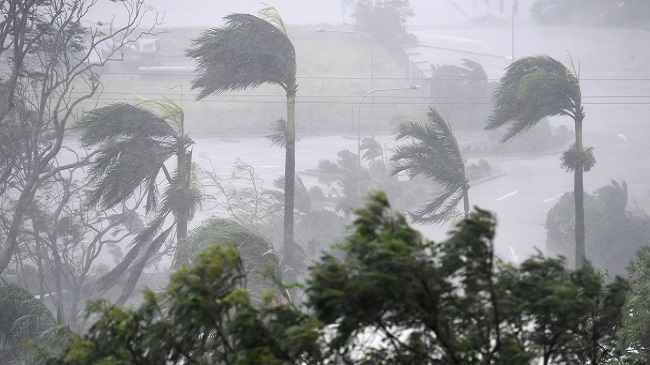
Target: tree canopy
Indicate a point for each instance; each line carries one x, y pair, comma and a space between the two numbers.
393, 298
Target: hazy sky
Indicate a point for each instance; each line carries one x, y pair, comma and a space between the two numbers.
210, 12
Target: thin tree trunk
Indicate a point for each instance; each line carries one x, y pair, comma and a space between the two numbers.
578, 193
466, 199
184, 167
289, 178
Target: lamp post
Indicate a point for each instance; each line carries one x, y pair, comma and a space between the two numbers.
413, 87
515, 10
372, 60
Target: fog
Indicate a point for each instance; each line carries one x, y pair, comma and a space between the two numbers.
612, 65
613, 69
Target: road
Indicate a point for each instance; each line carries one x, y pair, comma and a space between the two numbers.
614, 68
615, 82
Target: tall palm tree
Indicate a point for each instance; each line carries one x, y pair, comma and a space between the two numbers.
531, 89
247, 52
134, 143
434, 153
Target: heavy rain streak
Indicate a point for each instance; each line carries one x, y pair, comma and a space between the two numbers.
324, 182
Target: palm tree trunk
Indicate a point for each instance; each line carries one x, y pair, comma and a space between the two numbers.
578, 193
466, 199
184, 167
289, 177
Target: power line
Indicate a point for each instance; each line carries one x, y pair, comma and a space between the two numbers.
153, 75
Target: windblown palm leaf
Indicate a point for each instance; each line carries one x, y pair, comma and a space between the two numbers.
371, 149
23, 317
247, 53
257, 254
531, 89
434, 153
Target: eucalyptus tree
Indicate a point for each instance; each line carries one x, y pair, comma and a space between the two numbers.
134, 143
531, 89
433, 152
53, 69
247, 52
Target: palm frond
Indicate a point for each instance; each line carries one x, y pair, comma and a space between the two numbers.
182, 199
371, 149
302, 201
257, 253
439, 209
433, 151
533, 88
22, 316
122, 120
144, 240
135, 270
472, 70
271, 15
167, 110
119, 169
246, 53
279, 135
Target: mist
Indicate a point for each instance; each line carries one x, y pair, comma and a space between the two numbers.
359, 81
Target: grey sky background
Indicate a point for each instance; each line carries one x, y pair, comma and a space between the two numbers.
207, 13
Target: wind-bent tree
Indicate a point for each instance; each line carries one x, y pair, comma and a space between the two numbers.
247, 52
134, 143
433, 152
531, 89
54, 69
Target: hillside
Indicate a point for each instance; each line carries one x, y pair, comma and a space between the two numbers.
333, 74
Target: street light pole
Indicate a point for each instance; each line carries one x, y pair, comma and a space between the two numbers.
371, 92
515, 10
372, 63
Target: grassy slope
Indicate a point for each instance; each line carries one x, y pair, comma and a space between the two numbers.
333, 74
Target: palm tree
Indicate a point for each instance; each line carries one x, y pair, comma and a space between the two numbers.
247, 52
23, 318
433, 152
531, 89
134, 143
256, 253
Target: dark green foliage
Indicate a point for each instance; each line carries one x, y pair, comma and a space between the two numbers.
636, 334
203, 317
433, 152
394, 298
614, 232
454, 302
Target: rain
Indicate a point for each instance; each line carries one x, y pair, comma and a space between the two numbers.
149, 130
